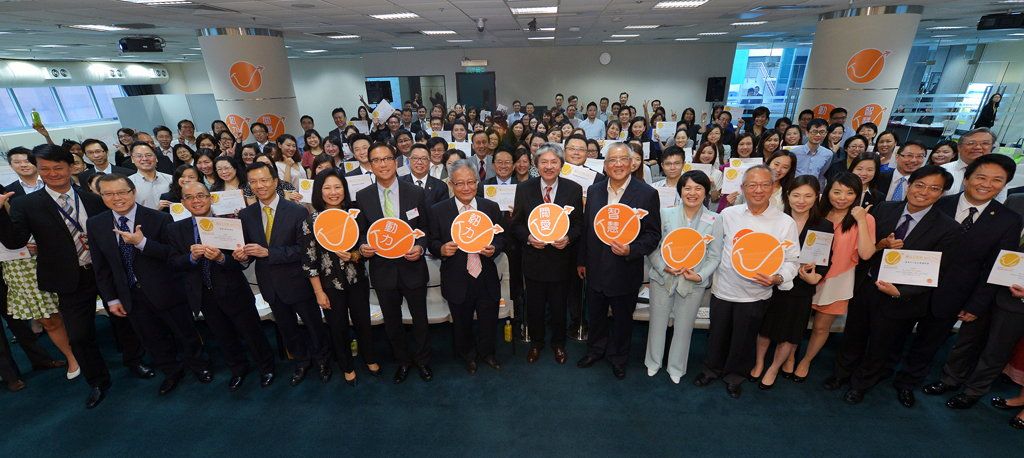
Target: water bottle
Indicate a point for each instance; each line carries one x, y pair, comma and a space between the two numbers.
355, 348
508, 330
36, 119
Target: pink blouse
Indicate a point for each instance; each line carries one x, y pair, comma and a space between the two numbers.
844, 248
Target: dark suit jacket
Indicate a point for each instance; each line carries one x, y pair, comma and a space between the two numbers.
965, 283
16, 188
158, 281
436, 190
935, 232
872, 197
607, 272
86, 175
357, 171
229, 283
455, 280
883, 180
549, 263
390, 274
37, 215
280, 274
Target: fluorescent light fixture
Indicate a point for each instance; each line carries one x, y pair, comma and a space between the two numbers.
438, 32
625, 35
712, 34
460, 40
943, 36
641, 27
805, 43
52, 46
680, 4
196, 49
688, 39
190, 54
342, 37
749, 23
158, 2
1017, 34
947, 27
614, 41
535, 10
314, 51
97, 27
393, 16
540, 38
18, 49
540, 29
402, 48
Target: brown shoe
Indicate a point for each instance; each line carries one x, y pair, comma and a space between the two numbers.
533, 355
16, 385
560, 355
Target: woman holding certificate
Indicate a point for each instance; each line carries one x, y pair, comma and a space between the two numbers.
788, 310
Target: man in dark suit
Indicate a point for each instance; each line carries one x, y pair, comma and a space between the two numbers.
894, 184
547, 267
19, 159
886, 313
615, 272
360, 146
97, 152
273, 234
408, 124
129, 255
576, 154
405, 277
434, 190
216, 286
389, 134
8, 370
469, 281
55, 217
340, 122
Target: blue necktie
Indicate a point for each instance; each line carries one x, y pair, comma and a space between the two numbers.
897, 194
904, 227
127, 252
204, 263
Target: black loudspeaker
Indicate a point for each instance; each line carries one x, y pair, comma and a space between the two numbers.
716, 89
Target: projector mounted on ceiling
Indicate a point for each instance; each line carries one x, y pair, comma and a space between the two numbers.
141, 44
1001, 21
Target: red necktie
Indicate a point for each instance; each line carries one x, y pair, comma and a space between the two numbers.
483, 173
547, 194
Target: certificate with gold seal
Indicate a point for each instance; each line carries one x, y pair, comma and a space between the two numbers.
503, 195
910, 267
1008, 269
223, 233
227, 202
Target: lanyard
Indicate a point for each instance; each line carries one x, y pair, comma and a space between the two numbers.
69, 218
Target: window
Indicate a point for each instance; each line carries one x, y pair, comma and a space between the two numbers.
57, 105
9, 118
104, 99
40, 99
77, 103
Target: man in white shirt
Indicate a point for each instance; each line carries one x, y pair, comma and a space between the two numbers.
909, 158
973, 145
149, 183
261, 134
28, 177
187, 133
593, 127
516, 114
738, 303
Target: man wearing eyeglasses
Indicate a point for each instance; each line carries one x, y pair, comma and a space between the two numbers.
894, 183
419, 174
972, 145
812, 158
149, 183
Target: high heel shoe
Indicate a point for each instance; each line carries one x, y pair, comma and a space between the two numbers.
74, 374
753, 378
787, 375
353, 381
375, 373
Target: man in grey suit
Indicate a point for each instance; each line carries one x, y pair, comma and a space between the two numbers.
482, 157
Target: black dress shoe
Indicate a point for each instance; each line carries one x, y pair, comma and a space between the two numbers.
95, 397
471, 367
961, 401
141, 371
266, 379
586, 361
325, 372
939, 388
833, 383
299, 375
906, 397
401, 374
493, 362
236, 382
702, 380
204, 376
853, 396
619, 371
1001, 404
170, 383
1017, 423
425, 373
734, 391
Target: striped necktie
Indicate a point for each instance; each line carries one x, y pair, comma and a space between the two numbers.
81, 249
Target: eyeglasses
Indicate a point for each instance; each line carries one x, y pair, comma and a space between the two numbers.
381, 160
117, 193
753, 186
418, 159
462, 184
618, 160
921, 187
191, 197
672, 163
912, 156
975, 143
143, 156
817, 132
504, 162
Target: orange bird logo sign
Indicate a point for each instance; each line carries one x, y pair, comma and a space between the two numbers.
871, 112
473, 230
684, 248
821, 111
757, 253
618, 223
336, 230
549, 222
238, 126
274, 123
392, 237
246, 77
865, 65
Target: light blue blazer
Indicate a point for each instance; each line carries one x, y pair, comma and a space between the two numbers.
705, 222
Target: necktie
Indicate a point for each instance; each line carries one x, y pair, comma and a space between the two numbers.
968, 221
419, 183
897, 194
483, 172
389, 210
473, 265
81, 249
547, 194
127, 252
903, 228
269, 228
204, 263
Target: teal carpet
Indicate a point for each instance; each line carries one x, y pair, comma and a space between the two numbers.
525, 410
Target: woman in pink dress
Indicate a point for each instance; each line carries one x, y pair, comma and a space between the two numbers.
854, 241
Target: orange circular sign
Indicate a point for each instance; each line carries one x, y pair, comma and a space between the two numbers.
274, 123
865, 65
246, 77
549, 222
618, 223
238, 126
822, 110
684, 248
392, 237
473, 230
758, 253
336, 230
871, 112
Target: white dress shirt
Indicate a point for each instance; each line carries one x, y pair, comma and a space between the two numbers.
963, 209
147, 193
554, 189
614, 195
263, 213
79, 214
30, 189
729, 285
436, 170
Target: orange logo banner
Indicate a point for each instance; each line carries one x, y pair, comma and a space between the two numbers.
871, 112
822, 110
246, 77
618, 223
758, 253
549, 222
684, 248
238, 126
865, 65
275, 124
473, 230
336, 230
392, 237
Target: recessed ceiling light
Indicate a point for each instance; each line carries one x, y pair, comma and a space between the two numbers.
943, 36
680, 4
190, 54
541, 29
97, 27
805, 43
342, 37
625, 35
393, 16
402, 48
535, 10
1017, 34
540, 38
1012, 1
158, 2
947, 27
749, 23
314, 51
688, 39
52, 46
196, 49
438, 32
460, 40
18, 49
712, 34
641, 27
614, 41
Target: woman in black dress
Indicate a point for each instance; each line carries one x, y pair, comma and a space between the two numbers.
987, 116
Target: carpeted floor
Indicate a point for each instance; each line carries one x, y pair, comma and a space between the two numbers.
525, 410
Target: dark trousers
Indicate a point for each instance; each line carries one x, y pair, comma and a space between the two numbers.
391, 307
966, 353
166, 331
540, 295
884, 332
931, 333
610, 340
78, 309
352, 302
732, 339
1006, 329
856, 330
127, 341
304, 347
8, 370
231, 329
486, 310
22, 330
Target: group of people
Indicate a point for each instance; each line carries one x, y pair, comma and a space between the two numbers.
100, 228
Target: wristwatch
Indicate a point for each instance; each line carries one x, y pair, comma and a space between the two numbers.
779, 282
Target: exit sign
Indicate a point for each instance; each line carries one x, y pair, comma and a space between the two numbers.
475, 69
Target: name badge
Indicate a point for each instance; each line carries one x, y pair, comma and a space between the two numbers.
412, 214
708, 219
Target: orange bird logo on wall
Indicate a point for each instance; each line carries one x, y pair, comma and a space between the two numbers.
865, 65
246, 77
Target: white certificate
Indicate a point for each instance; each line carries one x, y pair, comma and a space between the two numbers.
647, 150
745, 162
179, 212
1008, 269
223, 233
910, 267
595, 164
581, 175
668, 195
350, 165
445, 134
732, 178
484, 114
227, 202
706, 168
817, 248
10, 255
666, 130
357, 182
465, 147
383, 111
403, 170
363, 126
503, 195
306, 190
